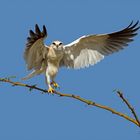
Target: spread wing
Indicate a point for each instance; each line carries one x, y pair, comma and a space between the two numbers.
90, 49
35, 52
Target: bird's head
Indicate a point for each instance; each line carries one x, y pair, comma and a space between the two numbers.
57, 45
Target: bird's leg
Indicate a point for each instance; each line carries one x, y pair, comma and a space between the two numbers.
55, 85
47, 79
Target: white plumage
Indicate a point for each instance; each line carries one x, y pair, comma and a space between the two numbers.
83, 52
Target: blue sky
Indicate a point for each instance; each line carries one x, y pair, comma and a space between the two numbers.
35, 116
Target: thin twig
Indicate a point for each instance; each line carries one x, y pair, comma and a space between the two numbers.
88, 102
129, 106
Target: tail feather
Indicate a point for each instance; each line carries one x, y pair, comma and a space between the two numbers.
32, 74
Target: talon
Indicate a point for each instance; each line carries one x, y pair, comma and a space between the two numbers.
55, 84
51, 90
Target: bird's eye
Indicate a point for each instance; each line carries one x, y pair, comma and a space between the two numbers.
53, 43
60, 43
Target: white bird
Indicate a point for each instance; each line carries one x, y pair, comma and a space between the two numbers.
83, 52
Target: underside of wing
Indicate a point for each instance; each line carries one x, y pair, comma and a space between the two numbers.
36, 50
90, 49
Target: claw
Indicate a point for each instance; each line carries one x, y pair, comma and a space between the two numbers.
55, 84
51, 90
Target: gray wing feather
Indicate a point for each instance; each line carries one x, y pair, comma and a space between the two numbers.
90, 49
35, 51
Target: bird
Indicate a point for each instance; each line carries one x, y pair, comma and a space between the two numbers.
81, 53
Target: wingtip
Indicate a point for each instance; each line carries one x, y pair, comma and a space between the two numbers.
37, 30
137, 22
35, 35
31, 33
44, 30
131, 23
36, 25
132, 26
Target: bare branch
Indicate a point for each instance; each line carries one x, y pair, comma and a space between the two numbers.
129, 106
88, 102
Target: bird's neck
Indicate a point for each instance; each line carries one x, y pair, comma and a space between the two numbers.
54, 57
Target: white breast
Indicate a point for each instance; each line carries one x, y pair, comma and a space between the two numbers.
53, 62
52, 69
